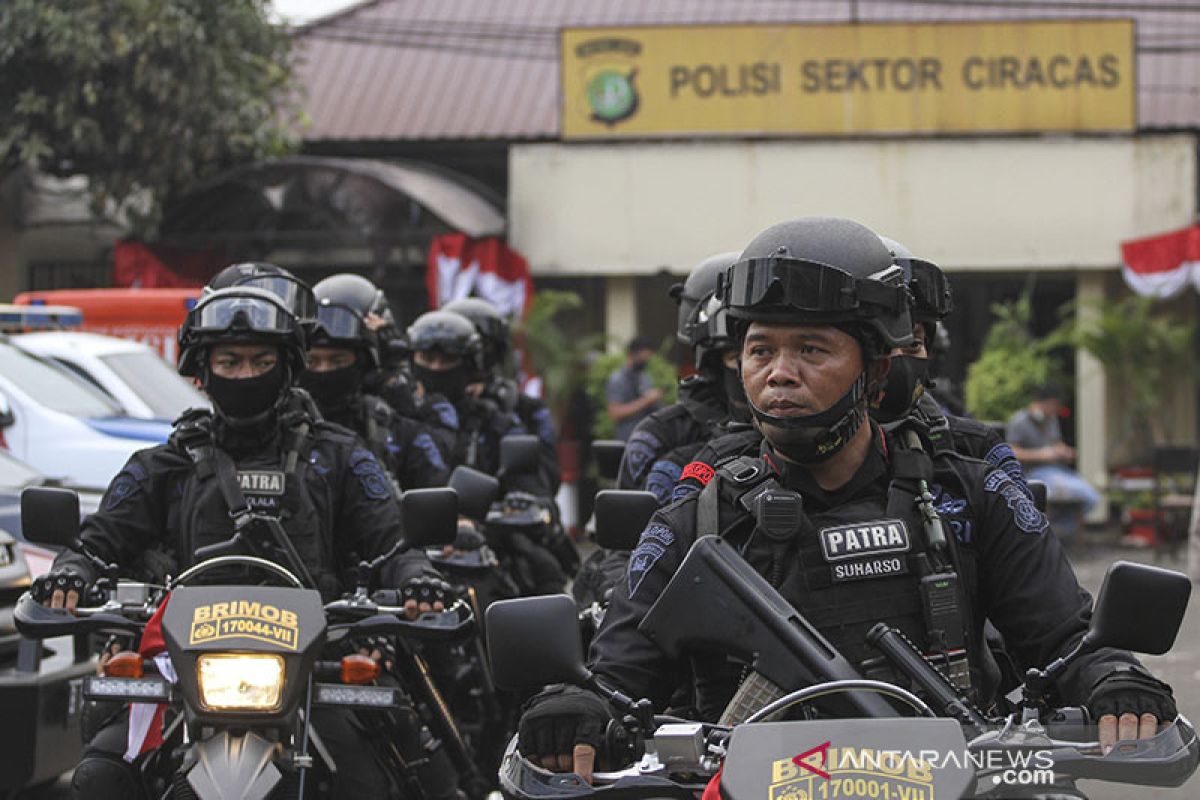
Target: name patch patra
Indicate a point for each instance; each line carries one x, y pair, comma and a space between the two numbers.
265, 482
866, 549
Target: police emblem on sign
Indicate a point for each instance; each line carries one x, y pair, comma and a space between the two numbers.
866, 549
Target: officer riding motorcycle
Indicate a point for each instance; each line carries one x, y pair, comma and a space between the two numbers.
852, 524
535, 417
707, 400
343, 351
258, 452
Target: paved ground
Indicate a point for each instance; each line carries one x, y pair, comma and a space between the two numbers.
1180, 668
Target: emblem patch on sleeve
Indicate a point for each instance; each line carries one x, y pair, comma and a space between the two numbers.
639, 453
661, 480
371, 477
651, 546
866, 549
1025, 513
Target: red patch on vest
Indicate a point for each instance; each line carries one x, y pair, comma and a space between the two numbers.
700, 471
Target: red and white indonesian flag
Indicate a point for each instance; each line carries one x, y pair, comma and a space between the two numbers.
1164, 265
463, 267
146, 719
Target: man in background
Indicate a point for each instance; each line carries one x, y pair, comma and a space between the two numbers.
630, 392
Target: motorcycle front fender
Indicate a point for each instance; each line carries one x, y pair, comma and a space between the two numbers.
234, 767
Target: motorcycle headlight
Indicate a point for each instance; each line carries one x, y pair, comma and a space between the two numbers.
240, 682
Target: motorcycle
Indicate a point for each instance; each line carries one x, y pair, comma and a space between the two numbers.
864, 747
242, 668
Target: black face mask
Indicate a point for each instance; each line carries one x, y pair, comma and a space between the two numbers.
638, 366
246, 399
450, 383
904, 385
334, 388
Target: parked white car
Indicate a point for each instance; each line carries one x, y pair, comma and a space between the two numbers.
129, 372
62, 426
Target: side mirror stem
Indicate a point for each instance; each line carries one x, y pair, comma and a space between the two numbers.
1038, 680
641, 710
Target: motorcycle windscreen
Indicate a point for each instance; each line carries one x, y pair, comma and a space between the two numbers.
902, 759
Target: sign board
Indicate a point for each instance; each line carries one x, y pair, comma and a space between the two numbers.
834, 80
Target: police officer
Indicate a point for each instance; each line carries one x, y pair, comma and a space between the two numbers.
497, 386
447, 357
664, 442
906, 389
819, 308
260, 451
343, 351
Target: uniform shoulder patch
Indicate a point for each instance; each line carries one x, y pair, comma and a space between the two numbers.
651, 547
699, 471
1025, 513
640, 451
424, 442
366, 468
446, 414
125, 485
661, 480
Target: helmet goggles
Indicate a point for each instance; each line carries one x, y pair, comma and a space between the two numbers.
294, 293
243, 309
787, 285
338, 322
931, 296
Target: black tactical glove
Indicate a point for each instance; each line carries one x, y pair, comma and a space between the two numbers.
468, 538
1132, 692
65, 580
428, 589
559, 718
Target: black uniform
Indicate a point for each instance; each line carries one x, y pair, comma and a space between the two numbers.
1012, 572
335, 502
404, 445
693, 420
535, 418
481, 426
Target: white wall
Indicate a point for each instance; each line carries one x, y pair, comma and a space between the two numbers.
978, 204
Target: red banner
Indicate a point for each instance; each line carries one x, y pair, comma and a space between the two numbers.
141, 266
461, 267
1163, 265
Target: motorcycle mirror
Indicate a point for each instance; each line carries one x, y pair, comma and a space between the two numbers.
519, 453
1040, 492
430, 516
533, 641
1140, 608
608, 454
50, 516
476, 491
621, 516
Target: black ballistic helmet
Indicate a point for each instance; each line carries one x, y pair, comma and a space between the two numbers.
491, 325
235, 315
449, 333
821, 270
294, 293
702, 325
341, 317
929, 289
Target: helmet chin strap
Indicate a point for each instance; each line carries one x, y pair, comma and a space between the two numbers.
830, 430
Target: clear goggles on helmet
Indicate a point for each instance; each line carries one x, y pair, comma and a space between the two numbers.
294, 293
242, 308
930, 289
810, 286
338, 322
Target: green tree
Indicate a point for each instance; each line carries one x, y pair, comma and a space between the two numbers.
662, 372
1146, 350
1011, 365
144, 97
560, 359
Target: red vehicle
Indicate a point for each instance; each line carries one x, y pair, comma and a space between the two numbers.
151, 316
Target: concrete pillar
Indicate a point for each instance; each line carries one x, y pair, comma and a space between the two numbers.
620, 311
1091, 396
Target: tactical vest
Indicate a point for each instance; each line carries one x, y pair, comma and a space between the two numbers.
850, 567
273, 482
